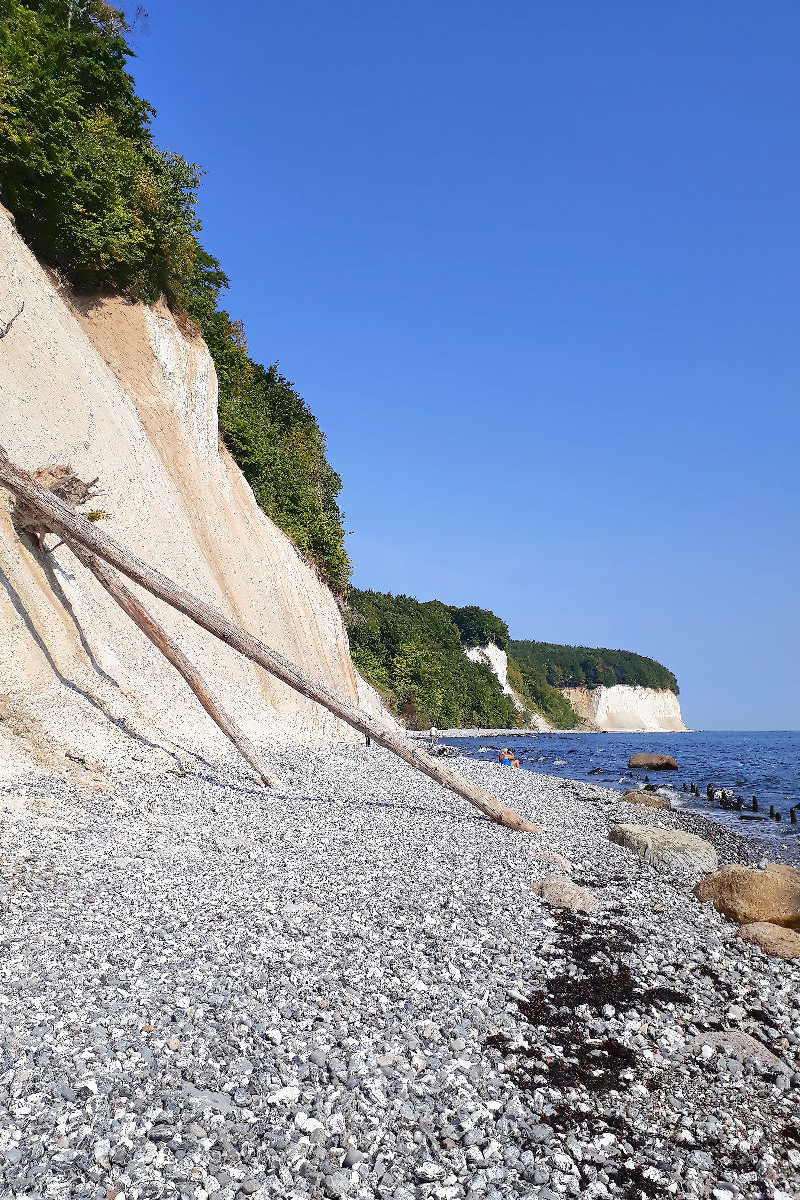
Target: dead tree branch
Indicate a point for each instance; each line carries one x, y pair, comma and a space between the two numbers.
6, 325
70, 525
173, 653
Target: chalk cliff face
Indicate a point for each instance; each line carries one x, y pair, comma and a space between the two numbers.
622, 708
118, 391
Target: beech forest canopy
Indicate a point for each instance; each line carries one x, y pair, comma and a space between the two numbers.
413, 652
585, 666
97, 199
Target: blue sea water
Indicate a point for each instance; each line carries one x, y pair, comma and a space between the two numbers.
761, 764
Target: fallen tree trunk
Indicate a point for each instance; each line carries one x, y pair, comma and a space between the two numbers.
171, 651
63, 520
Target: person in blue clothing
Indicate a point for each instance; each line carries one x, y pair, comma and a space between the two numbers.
505, 756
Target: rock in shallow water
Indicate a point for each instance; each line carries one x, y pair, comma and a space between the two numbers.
653, 762
666, 849
747, 894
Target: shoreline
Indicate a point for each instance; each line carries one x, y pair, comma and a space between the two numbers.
285, 986
424, 734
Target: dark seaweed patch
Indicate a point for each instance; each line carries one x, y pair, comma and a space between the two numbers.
592, 1062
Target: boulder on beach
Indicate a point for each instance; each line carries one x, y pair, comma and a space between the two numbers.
775, 940
737, 1044
646, 799
666, 849
653, 762
751, 894
563, 893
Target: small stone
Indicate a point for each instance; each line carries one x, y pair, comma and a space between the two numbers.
427, 1172
285, 1095
161, 1133
102, 1153
540, 1134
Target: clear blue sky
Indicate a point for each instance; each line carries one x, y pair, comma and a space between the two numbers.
535, 266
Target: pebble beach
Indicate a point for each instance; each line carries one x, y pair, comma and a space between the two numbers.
351, 989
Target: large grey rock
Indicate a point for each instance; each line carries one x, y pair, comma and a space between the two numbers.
667, 849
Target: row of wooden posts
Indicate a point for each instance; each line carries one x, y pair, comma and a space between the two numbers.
99, 553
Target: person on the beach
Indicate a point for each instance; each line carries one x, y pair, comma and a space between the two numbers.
433, 735
505, 756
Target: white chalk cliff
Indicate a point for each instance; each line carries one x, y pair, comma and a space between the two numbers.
119, 391
617, 708
622, 708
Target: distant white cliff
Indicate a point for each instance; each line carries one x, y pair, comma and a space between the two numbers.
623, 708
619, 709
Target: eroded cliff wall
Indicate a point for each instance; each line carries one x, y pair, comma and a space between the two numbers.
118, 391
621, 708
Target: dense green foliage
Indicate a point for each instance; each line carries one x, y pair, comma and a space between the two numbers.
90, 190
412, 653
534, 691
479, 626
584, 666
96, 198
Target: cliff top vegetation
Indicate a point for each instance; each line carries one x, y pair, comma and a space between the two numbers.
97, 199
590, 667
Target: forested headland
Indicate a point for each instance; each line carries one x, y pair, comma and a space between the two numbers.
590, 667
413, 652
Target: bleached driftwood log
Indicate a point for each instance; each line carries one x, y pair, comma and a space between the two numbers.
61, 519
173, 653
